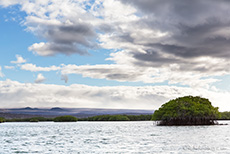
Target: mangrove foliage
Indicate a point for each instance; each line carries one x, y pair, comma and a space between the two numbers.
118, 118
187, 110
2, 120
66, 118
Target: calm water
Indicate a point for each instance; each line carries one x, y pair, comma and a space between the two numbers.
112, 137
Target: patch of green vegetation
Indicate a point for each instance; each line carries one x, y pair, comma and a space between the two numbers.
2, 119
34, 119
224, 115
107, 118
118, 118
187, 110
141, 117
66, 118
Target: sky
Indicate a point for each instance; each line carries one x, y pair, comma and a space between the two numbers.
123, 54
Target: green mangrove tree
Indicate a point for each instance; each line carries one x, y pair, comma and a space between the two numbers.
187, 110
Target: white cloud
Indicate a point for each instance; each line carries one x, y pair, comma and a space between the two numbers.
17, 94
9, 67
129, 73
40, 78
150, 44
19, 60
7, 3
34, 68
1, 74
132, 73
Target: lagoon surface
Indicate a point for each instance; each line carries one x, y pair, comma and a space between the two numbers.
112, 137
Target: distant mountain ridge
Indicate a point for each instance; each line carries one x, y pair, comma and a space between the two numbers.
78, 112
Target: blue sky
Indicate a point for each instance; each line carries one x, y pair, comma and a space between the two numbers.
121, 54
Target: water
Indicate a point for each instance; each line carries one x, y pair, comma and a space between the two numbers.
112, 137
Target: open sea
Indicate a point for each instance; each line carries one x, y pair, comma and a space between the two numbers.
112, 137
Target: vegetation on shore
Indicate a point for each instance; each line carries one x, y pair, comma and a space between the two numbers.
118, 118
94, 118
224, 115
2, 119
34, 119
187, 110
66, 118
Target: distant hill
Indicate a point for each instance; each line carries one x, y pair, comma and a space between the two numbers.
57, 111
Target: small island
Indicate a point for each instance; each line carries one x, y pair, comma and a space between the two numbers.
186, 110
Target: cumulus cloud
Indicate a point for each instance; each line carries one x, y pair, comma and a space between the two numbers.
192, 30
65, 25
7, 3
185, 41
17, 94
40, 78
51, 49
19, 60
174, 41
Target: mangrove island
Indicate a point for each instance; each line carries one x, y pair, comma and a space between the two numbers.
187, 110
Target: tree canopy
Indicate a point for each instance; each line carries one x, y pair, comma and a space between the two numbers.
186, 110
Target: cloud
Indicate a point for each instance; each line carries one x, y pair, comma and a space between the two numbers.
1, 74
19, 60
40, 78
34, 68
51, 49
65, 78
110, 72
174, 41
9, 67
17, 94
124, 73
66, 27
186, 42
193, 29
7, 3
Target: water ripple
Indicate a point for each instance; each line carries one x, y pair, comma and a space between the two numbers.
112, 137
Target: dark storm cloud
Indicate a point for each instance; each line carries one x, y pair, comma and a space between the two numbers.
196, 29
121, 76
80, 34
106, 28
153, 57
53, 48
75, 38
177, 8
67, 40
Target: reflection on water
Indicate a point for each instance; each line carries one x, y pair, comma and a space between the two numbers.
112, 137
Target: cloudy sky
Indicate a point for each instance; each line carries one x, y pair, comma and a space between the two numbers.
132, 54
